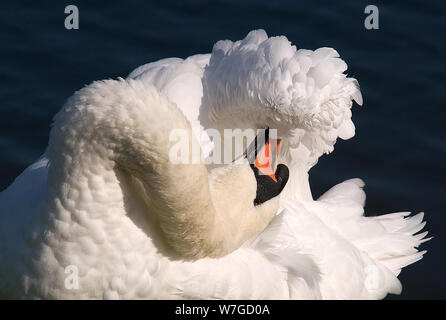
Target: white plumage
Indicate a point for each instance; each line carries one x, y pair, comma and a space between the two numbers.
92, 204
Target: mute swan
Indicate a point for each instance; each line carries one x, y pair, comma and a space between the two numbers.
105, 200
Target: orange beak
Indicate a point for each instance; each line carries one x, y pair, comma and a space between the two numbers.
266, 160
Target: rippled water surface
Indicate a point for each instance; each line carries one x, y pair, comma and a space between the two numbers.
400, 145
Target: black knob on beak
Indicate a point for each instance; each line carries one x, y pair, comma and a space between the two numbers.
267, 188
271, 178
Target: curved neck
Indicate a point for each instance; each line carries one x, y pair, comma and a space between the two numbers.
123, 126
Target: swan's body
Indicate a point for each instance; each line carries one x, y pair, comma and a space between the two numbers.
110, 203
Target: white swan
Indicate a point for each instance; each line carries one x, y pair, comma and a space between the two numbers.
105, 199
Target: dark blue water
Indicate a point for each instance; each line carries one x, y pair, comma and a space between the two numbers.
400, 145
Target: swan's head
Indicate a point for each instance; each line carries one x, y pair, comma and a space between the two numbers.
262, 82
